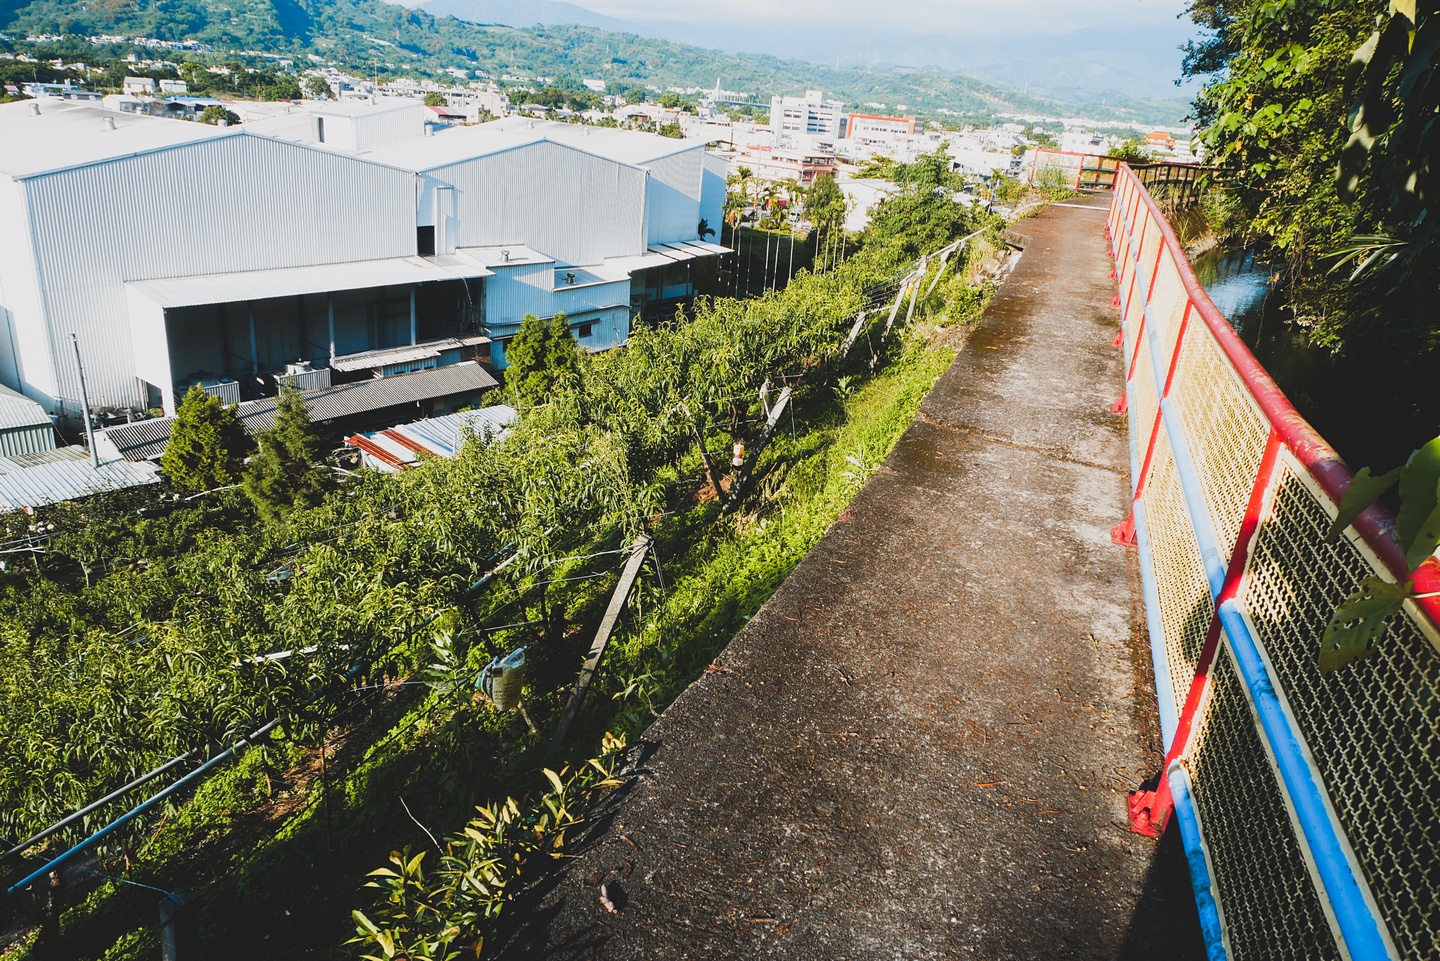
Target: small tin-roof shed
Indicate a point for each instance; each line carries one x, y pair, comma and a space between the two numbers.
25, 428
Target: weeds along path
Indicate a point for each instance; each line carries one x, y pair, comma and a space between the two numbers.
270, 852
920, 746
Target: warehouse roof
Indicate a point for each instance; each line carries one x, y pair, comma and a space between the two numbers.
146, 439
403, 446
68, 475
321, 278
449, 145
625, 146
45, 135
17, 410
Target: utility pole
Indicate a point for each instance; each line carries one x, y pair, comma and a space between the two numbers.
85, 402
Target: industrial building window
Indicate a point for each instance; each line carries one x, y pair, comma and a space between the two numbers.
425, 241
584, 330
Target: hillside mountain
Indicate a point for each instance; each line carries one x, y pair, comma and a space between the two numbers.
1088, 64
526, 13
386, 39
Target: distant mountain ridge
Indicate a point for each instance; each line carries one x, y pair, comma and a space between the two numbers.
524, 13
377, 38
1089, 64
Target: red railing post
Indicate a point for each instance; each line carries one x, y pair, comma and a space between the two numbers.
1150, 810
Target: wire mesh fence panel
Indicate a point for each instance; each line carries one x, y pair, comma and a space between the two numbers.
1227, 433
1373, 728
1313, 798
1185, 603
1167, 306
1272, 910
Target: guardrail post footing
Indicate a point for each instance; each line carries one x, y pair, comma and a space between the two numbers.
1121, 406
1145, 820
1124, 532
1119, 340
1115, 301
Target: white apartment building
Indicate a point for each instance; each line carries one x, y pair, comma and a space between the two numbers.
344, 245
797, 121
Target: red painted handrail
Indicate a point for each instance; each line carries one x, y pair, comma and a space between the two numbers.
1375, 526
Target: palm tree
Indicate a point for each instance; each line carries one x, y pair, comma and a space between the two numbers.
736, 200
768, 199
792, 195
732, 217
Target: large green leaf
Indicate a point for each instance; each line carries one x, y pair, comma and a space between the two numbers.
1363, 491
1418, 523
1359, 621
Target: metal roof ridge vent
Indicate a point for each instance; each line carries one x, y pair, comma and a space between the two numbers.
108, 123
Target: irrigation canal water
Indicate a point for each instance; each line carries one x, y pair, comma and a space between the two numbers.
1354, 406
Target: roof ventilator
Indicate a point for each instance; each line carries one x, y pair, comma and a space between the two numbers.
108, 123
34, 110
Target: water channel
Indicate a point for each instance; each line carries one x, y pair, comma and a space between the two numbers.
1351, 404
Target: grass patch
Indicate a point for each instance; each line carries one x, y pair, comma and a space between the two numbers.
272, 862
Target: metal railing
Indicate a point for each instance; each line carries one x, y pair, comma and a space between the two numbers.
1179, 182
1308, 803
1081, 171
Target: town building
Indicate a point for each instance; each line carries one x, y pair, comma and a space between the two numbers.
344, 246
796, 120
875, 130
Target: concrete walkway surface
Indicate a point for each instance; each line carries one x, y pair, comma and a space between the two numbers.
921, 746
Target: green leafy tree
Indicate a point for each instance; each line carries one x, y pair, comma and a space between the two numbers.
1132, 151
671, 130
1391, 164
284, 473
435, 99
215, 113
1279, 104
207, 444
542, 360
1364, 614
318, 88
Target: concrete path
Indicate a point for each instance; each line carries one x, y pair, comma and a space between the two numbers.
920, 747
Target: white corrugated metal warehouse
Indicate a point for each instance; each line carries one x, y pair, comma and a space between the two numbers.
330, 238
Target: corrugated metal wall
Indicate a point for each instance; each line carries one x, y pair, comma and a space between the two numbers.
26, 440
27, 340
216, 206
567, 204
712, 192
388, 126
516, 291
673, 197
612, 329
574, 300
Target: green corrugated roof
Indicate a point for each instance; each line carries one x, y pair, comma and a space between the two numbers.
17, 410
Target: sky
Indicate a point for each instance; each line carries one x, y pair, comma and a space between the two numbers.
919, 17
